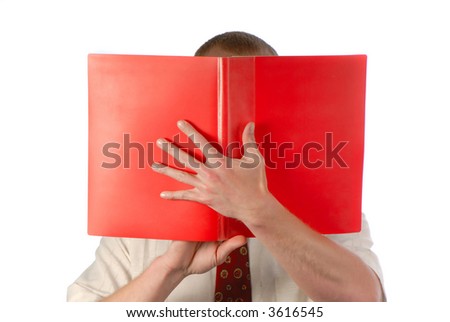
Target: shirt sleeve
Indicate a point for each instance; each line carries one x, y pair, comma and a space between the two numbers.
109, 272
361, 244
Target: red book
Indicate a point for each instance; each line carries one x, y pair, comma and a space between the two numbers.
309, 117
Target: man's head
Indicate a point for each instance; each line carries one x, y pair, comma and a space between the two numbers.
235, 43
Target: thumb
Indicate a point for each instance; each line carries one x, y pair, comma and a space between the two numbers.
248, 139
227, 247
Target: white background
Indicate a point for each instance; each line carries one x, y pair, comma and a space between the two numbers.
43, 122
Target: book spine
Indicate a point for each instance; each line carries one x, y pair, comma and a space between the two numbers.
236, 108
222, 125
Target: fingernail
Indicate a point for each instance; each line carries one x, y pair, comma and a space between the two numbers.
156, 165
181, 123
163, 195
160, 142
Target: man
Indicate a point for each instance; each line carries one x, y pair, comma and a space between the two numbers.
288, 260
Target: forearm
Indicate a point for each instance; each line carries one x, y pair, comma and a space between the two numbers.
325, 270
153, 285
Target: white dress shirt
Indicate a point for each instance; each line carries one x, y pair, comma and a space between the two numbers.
120, 260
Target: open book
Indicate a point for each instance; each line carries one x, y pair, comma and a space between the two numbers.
309, 123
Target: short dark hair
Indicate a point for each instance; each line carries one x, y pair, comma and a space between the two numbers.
237, 42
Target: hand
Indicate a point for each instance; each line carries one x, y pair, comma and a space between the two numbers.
168, 270
235, 188
199, 257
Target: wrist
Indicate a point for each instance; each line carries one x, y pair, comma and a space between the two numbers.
264, 214
154, 284
172, 275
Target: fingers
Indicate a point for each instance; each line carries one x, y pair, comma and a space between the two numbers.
212, 155
206, 147
190, 195
185, 158
180, 247
180, 176
228, 246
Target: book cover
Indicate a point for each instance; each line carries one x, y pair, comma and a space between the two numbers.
309, 117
